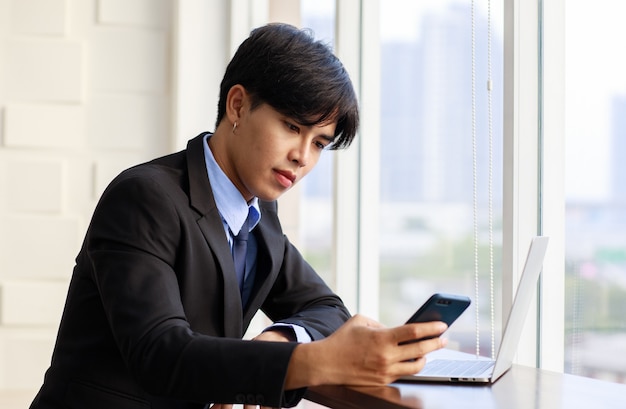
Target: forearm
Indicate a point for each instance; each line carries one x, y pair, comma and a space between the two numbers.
303, 370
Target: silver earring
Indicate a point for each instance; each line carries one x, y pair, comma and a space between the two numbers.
234, 127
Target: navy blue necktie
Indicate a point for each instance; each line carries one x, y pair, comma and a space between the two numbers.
240, 248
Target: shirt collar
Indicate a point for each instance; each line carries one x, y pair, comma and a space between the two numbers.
230, 203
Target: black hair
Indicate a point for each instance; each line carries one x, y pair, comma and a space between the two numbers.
298, 76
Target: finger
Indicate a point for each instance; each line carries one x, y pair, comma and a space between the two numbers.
409, 367
418, 349
418, 331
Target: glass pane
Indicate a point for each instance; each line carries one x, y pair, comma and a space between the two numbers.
316, 205
427, 188
595, 218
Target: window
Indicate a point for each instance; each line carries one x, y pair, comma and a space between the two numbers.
316, 208
595, 211
424, 174
426, 160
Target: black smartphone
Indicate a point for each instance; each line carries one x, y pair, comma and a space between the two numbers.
441, 307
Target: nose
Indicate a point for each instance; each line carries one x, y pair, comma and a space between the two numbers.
300, 154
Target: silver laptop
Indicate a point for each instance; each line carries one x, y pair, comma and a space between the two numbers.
482, 370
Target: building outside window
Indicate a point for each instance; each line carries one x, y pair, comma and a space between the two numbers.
595, 208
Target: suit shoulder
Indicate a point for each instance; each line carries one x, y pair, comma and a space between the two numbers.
172, 165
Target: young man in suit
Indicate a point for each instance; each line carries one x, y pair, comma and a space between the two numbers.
155, 311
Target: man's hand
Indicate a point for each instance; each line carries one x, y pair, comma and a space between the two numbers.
360, 352
363, 352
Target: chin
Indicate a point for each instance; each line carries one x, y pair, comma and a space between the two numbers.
270, 196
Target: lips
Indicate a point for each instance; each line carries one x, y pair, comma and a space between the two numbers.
285, 178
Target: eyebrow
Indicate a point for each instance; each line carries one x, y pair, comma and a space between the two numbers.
328, 138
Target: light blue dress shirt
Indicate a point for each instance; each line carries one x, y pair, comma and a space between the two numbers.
234, 210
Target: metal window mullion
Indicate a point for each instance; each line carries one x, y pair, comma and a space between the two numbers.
346, 167
552, 312
521, 207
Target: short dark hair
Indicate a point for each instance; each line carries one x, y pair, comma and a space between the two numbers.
298, 76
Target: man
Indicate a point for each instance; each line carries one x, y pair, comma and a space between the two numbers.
159, 298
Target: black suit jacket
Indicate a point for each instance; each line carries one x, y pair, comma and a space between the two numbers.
153, 316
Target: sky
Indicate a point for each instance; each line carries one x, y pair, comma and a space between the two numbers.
595, 73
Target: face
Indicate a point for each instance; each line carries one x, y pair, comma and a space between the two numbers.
268, 152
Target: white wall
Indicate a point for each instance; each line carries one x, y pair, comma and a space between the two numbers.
85, 91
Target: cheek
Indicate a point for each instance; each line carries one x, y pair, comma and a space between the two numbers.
315, 158
309, 167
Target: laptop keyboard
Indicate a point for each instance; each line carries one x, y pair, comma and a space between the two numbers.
455, 368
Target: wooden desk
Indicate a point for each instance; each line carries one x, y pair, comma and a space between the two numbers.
520, 388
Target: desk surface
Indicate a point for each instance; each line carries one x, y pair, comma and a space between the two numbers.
521, 387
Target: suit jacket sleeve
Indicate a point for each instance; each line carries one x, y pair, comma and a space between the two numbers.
298, 295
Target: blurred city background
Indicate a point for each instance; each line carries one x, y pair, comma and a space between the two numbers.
426, 175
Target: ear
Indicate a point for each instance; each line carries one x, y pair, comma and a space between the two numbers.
236, 99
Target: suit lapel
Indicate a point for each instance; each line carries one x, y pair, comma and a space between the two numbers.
210, 223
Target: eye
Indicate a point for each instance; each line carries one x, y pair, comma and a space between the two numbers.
319, 145
292, 127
